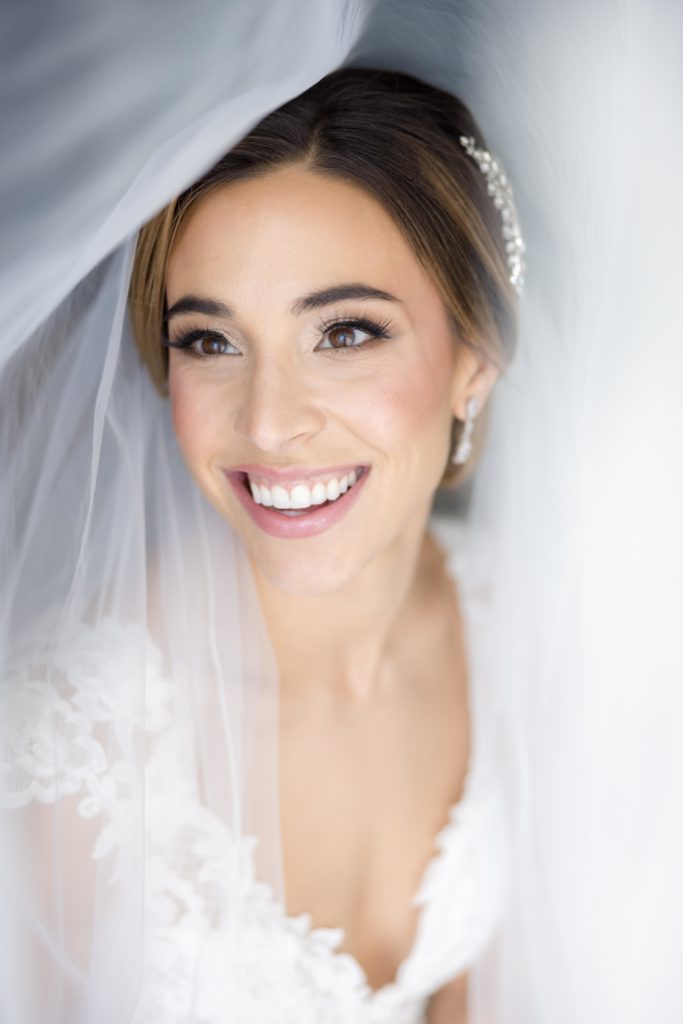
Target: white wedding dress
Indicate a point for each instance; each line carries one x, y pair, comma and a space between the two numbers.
285, 970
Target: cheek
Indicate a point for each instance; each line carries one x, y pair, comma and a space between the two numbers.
193, 419
406, 406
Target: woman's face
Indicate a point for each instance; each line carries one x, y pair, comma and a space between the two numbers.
319, 349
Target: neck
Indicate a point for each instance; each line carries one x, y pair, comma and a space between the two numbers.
339, 645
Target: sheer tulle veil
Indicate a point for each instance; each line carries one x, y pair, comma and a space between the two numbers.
573, 515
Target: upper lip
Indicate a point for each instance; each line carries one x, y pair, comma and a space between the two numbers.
294, 472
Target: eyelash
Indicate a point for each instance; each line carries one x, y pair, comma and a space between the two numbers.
379, 331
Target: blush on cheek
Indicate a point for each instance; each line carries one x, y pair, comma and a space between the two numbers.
189, 422
181, 408
406, 402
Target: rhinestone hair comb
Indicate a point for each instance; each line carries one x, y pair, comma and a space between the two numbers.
500, 189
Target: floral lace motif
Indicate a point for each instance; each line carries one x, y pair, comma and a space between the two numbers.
46, 746
218, 944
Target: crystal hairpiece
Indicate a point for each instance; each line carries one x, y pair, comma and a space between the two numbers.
499, 187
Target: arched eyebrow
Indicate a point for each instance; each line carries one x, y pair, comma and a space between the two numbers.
196, 304
313, 300
337, 293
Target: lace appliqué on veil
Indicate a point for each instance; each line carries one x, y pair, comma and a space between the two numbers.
48, 721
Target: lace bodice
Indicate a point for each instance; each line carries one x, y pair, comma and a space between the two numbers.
286, 971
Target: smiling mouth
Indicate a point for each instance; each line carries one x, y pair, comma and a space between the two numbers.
319, 510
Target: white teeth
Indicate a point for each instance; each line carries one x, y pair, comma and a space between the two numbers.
255, 492
301, 496
280, 497
318, 494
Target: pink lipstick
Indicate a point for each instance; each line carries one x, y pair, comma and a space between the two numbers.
306, 522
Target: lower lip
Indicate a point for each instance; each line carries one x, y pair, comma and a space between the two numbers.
318, 519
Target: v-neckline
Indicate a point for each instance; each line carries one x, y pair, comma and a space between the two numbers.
334, 936
455, 817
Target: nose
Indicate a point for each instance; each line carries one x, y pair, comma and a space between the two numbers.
278, 406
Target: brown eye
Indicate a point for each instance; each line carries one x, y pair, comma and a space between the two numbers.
347, 336
342, 337
203, 344
351, 335
212, 345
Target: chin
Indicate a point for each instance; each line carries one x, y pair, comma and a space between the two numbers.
302, 573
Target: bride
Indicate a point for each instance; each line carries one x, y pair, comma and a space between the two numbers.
335, 295
322, 315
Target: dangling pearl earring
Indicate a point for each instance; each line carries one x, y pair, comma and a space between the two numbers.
464, 446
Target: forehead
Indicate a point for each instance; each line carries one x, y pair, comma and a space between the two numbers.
284, 232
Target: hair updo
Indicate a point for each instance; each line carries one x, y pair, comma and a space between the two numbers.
396, 137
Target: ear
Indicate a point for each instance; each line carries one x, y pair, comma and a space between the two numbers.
475, 374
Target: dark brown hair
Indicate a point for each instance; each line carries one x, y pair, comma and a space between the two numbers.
396, 137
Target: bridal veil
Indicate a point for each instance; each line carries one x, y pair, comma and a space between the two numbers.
109, 110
